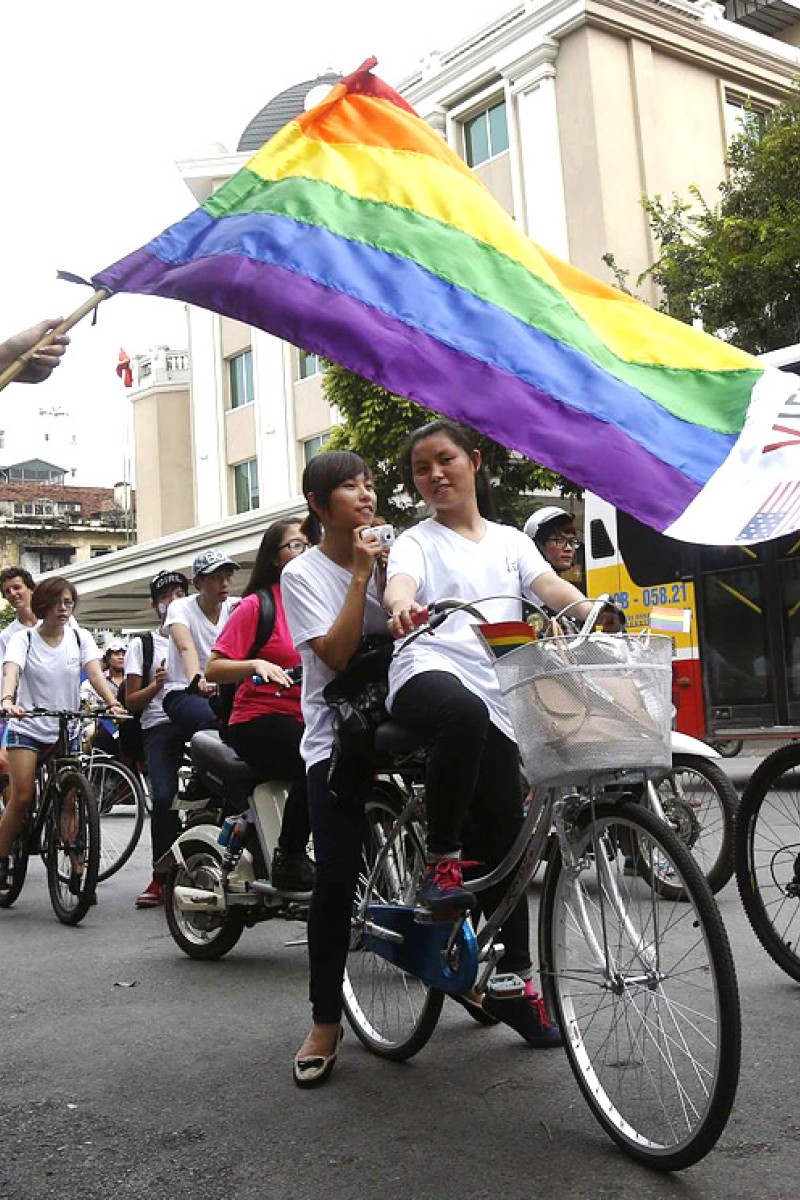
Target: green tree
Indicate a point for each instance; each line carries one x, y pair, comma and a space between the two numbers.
375, 424
736, 265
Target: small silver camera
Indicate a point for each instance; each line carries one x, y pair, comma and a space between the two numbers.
384, 534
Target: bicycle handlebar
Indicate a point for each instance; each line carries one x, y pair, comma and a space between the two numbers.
427, 619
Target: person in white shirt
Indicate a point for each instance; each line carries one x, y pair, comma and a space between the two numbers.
193, 624
42, 669
145, 680
330, 600
16, 588
445, 689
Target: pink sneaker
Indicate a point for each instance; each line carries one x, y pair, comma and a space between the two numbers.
442, 890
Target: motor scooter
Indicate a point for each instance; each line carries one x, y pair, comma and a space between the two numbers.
218, 879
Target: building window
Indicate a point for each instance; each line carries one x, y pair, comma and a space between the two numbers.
312, 447
307, 364
743, 115
2, 439
245, 485
486, 134
240, 377
54, 559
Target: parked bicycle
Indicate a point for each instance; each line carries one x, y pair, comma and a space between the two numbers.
768, 856
643, 985
62, 825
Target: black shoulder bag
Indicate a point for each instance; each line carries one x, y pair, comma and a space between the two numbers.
357, 697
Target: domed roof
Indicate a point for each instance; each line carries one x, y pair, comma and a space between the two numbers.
282, 108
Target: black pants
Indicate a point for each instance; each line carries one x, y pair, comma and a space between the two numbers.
473, 792
271, 746
339, 829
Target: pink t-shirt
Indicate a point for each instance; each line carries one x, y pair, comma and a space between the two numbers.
236, 642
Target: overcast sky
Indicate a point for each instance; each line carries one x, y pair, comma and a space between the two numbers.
99, 100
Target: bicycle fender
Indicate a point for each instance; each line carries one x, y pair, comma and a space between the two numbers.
207, 835
683, 743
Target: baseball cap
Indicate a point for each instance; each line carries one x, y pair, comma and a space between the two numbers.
212, 560
543, 516
165, 581
115, 644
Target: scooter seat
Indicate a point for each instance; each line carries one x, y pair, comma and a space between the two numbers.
212, 757
391, 738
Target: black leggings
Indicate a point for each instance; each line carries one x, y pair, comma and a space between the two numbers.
270, 744
473, 791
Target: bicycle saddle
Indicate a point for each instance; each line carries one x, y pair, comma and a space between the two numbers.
391, 738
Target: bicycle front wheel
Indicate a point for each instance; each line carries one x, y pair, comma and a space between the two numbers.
768, 856
121, 807
644, 988
391, 1012
72, 846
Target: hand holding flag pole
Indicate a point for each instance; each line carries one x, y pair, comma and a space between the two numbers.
15, 368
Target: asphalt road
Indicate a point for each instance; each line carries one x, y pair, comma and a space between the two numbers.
180, 1086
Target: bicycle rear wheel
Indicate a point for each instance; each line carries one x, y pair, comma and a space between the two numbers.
72, 846
391, 1012
121, 807
768, 856
699, 802
18, 861
644, 988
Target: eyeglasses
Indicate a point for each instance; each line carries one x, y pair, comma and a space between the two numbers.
296, 545
558, 539
68, 604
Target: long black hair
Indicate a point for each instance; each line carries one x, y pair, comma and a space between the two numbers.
467, 440
322, 476
265, 570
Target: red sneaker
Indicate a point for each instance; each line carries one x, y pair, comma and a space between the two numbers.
442, 891
153, 894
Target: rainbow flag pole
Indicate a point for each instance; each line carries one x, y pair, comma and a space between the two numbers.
358, 234
14, 368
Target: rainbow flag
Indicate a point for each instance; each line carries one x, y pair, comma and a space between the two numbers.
670, 620
500, 637
358, 234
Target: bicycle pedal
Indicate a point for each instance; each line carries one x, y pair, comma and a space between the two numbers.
506, 987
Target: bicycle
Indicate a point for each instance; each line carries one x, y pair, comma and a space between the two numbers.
767, 849
62, 825
643, 986
121, 809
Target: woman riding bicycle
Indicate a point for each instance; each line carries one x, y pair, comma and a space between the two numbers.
266, 724
330, 600
443, 688
42, 669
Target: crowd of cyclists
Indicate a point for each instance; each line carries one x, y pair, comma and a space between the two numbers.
318, 587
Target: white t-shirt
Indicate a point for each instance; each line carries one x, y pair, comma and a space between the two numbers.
314, 590
445, 565
6, 635
153, 713
187, 611
50, 676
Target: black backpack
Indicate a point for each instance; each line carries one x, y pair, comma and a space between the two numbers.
222, 702
131, 743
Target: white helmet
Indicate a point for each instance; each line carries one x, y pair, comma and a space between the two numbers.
543, 516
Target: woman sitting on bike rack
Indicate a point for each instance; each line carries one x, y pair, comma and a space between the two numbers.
330, 599
444, 689
42, 669
266, 725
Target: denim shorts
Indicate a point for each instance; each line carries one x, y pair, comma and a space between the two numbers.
21, 741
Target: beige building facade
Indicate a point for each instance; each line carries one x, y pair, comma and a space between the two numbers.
570, 111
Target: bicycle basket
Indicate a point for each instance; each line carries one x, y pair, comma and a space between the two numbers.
583, 706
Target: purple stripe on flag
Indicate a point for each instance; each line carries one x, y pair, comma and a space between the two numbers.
407, 361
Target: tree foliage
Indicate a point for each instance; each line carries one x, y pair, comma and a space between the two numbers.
376, 423
736, 265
